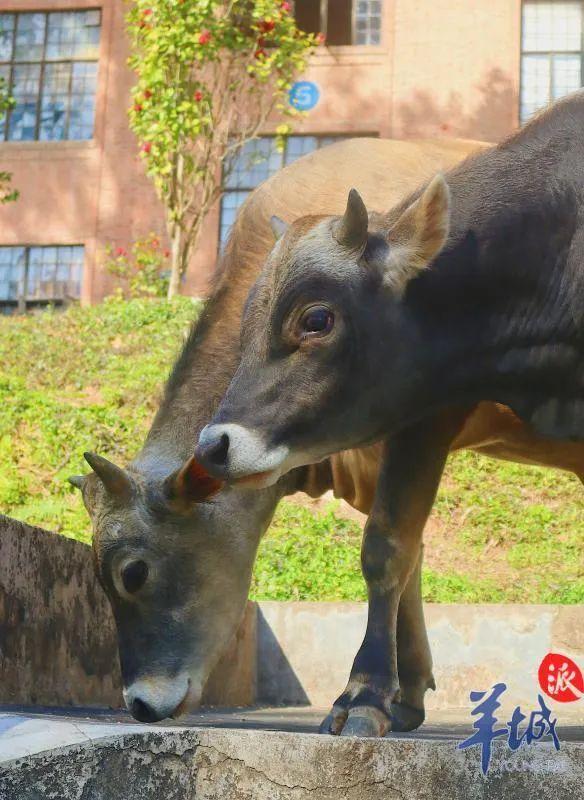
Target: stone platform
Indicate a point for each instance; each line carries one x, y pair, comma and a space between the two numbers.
268, 754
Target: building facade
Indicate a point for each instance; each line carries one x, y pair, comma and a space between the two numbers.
391, 68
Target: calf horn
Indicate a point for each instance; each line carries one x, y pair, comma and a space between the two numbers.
115, 479
351, 230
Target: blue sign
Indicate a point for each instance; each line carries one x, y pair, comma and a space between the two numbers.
304, 95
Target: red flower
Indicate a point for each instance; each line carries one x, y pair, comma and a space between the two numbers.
155, 242
137, 108
147, 12
205, 37
266, 25
147, 94
320, 38
261, 53
198, 95
167, 253
146, 147
286, 7
120, 252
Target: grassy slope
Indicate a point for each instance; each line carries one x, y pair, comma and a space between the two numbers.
89, 379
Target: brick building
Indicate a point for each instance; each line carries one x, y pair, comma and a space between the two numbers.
393, 68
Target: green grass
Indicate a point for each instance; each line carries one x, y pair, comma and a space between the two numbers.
90, 379
87, 379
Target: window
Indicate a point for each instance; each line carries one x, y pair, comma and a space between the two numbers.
37, 276
343, 21
258, 161
49, 61
551, 52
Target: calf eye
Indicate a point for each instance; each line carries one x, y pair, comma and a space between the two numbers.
317, 321
134, 576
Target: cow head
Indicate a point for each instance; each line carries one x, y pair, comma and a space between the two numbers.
329, 352
174, 555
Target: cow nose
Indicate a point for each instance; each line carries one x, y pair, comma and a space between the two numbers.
153, 698
143, 712
213, 449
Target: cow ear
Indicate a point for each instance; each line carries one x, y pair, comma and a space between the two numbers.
419, 235
188, 485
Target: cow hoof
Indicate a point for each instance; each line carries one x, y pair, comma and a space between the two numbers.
406, 718
333, 722
366, 721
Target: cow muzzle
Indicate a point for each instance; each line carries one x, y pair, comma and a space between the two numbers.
240, 455
151, 699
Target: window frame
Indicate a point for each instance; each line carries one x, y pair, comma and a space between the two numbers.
42, 62
549, 54
339, 136
323, 13
23, 302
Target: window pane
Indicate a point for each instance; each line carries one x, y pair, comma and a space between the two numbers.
73, 34
298, 146
230, 203
4, 82
566, 75
83, 88
255, 163
339, 30
30, 37
307, 15
535, 84
552, 26
11, 271
54, 273
66, 99
55, 102
25, 90
324, 141
368, 22
6, 36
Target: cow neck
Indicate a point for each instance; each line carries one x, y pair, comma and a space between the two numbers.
498, 311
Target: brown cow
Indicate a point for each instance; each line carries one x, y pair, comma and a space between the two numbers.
177, 568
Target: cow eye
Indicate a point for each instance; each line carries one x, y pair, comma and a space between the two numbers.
134, 576
317, 321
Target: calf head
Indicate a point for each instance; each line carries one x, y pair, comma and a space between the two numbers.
324, 333
175, 560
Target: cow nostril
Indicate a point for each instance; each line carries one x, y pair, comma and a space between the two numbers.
142, 711
217, 452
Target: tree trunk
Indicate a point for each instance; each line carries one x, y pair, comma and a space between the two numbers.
176, 261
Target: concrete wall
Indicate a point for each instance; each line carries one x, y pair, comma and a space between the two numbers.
305, 650
57, 636
58, 642
445, 68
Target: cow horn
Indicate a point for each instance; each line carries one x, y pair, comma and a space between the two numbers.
115, 479
351, 230
278, 226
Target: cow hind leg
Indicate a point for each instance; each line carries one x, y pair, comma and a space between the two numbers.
414, 657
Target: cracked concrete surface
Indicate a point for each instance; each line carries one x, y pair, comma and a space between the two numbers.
55, 758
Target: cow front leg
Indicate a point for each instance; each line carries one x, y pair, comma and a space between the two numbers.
381, 681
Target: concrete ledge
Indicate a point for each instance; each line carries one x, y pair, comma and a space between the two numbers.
83, 760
